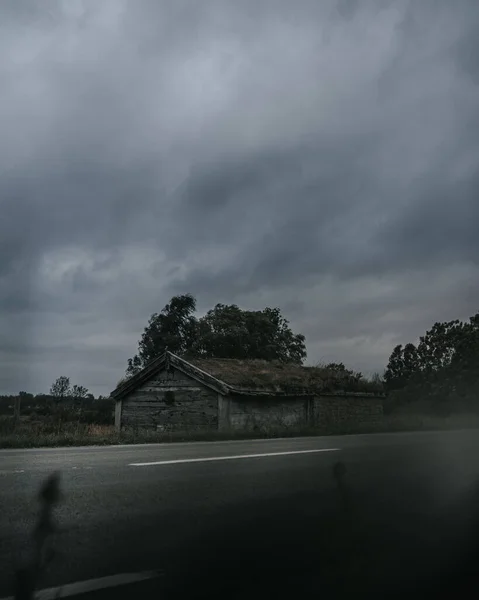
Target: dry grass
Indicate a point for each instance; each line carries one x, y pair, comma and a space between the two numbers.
100, 430
74, 434
276, 376
39, 434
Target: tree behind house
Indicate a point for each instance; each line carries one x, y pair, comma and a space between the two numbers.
230, 332
226, 331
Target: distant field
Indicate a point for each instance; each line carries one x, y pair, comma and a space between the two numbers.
36, 434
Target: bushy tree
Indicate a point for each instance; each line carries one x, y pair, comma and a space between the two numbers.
60, 388
436, 349
447, 346
173, 328
78, 392
442, 371
466, 357
226, 331
404, 363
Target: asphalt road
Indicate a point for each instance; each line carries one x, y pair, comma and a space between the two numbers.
252, 518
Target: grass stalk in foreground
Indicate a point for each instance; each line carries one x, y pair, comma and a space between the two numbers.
28, 575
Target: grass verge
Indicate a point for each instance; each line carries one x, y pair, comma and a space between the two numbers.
38, 435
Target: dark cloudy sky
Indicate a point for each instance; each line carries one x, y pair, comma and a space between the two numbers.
320, 156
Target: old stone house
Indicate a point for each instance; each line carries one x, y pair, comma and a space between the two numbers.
173, 393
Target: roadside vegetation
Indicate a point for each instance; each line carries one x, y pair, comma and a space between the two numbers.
81, 434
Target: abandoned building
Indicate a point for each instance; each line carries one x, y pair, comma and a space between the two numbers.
175, 394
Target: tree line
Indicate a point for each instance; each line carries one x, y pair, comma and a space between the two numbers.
442, 368
64, 402
60, 390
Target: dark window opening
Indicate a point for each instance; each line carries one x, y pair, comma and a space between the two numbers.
170, 397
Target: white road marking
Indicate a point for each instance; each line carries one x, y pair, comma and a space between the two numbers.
12, 471
92, 585
234, 457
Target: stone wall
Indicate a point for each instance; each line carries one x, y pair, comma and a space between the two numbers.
171, 401
340, 409
246, 413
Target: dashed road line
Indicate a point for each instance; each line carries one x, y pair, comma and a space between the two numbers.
15, 471
11, 471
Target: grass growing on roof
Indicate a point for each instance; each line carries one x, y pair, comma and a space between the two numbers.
276, 376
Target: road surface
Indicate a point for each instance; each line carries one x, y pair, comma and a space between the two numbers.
244, 517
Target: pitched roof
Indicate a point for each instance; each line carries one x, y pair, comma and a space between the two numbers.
251, 377
164, 361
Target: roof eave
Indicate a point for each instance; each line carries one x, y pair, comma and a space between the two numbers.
133, 382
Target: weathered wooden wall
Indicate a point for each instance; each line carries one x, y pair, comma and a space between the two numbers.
193, 406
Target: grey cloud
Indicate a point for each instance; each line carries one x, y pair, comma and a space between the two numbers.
348, 8
259, 153
466, 52
359, 221
442, 229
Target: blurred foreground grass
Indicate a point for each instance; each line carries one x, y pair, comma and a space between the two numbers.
27, 434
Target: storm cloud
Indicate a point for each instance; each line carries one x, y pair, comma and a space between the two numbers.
317, 156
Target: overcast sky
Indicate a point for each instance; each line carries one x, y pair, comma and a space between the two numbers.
320, 156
